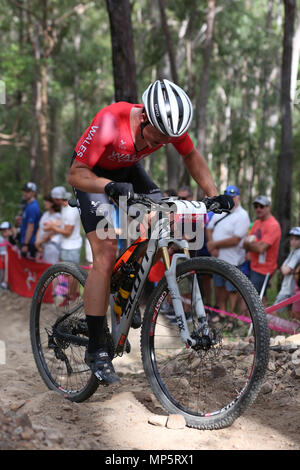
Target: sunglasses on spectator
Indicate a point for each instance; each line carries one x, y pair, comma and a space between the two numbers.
256, 206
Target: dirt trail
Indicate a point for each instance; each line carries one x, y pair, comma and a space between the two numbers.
117, 418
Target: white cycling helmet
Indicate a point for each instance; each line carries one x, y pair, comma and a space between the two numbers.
168, 107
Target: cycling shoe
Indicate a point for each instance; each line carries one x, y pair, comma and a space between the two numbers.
100, 364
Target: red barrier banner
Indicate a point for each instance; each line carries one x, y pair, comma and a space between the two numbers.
23, 274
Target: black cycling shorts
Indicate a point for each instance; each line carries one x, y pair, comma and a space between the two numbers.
89, 202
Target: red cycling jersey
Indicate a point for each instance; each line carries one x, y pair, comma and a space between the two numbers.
108, 142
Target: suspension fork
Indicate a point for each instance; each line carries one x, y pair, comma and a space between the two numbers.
196, 299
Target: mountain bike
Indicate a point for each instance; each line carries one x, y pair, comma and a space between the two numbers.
208, 372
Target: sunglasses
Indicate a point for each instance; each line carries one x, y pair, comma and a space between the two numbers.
260, 206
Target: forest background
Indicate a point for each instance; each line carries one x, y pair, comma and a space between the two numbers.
61, 61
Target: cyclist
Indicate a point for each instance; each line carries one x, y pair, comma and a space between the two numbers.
106, 163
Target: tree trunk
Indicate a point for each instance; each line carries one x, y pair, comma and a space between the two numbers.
34, 139
53, 104
42, 123
166, 33
285, 158
122, 50
263, 182
295, 59
202, 104
176, 170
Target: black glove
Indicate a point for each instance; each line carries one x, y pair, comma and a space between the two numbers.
115, 190
224, 201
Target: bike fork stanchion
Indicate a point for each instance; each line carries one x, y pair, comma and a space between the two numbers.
197, 300
261, 294
176, 299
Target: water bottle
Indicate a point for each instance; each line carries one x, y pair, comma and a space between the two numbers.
125, 288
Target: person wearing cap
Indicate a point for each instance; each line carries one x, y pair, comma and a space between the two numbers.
225, 235
289, 266
8, 232
5, 233
296, 305
47, 242
107, 164
30, 220
185, 193
263, 242
69, 229
5, 226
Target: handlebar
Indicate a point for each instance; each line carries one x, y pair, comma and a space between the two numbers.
146, 200
209, 203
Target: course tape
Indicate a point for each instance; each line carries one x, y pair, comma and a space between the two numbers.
286, 326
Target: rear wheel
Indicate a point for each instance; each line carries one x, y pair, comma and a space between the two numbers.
212, 383
59, 334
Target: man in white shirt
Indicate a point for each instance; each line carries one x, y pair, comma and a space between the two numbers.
225, 235
70, 231
69, 228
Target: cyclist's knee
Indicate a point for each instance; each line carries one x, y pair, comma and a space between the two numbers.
104, 255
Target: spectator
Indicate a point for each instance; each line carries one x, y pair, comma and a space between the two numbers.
185, 193
30, 220
225, 235
170, 193
288, 267
206, 279
296, 305
70, 227
5, 233
16, 231
48, 242
263, 243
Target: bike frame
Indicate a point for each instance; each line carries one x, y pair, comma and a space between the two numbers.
120, 325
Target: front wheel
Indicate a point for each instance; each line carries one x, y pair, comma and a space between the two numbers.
210, 386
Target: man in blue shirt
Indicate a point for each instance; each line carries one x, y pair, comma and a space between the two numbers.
30, 220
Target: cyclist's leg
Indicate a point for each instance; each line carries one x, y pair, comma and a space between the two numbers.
96, 299
97, 287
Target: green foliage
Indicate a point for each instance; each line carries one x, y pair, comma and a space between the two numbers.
243, 110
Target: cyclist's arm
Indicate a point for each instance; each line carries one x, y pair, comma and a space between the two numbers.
198, 169
81, 177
